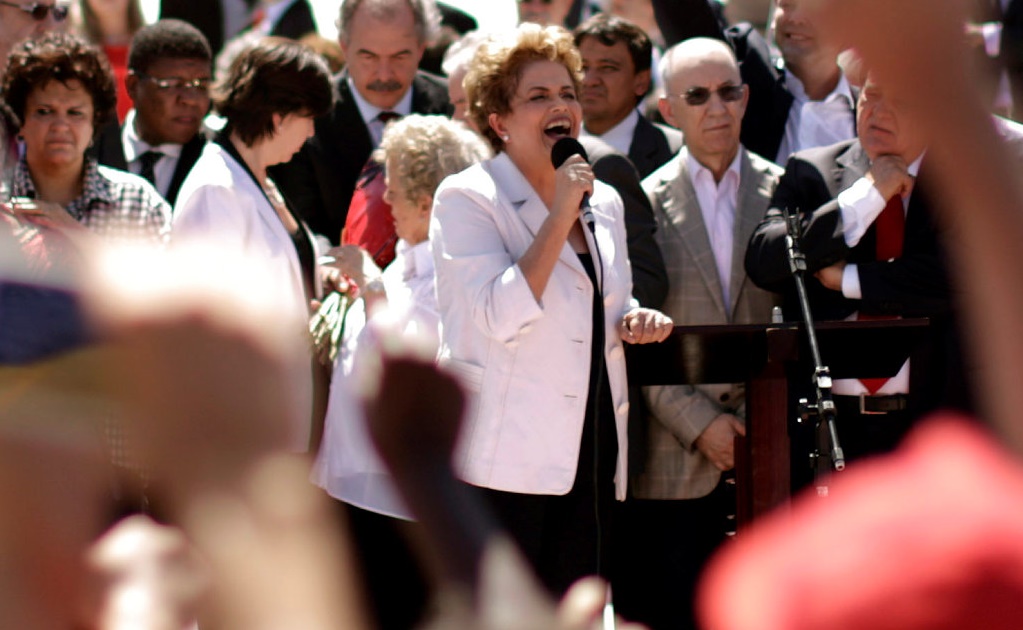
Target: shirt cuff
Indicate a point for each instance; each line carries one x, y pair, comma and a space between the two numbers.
859, 204
992, 32
851, 282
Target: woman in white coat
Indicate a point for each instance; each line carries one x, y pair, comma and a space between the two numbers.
271, 95
534, 310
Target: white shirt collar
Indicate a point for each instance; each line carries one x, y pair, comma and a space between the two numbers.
914, 166
696, 169
369, 112
842, 90
620, 136
134, 146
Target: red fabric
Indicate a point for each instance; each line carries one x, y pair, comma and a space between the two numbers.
890, 227
369, 223
929, 537
118, 58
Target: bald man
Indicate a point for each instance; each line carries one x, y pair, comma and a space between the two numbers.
707, 200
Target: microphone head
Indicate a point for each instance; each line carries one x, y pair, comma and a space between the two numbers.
566, 148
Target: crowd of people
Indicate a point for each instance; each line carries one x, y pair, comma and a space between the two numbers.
500, 215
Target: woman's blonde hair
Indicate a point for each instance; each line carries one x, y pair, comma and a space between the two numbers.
496, 69
423, 150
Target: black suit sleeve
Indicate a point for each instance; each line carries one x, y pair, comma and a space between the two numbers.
916, 284
801, 190
681, 19
299, 182
649, 276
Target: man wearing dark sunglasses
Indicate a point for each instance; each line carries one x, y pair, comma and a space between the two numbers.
21, 20
706, 200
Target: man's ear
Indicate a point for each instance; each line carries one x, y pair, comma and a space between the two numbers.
641, 83
132, 84
664, 106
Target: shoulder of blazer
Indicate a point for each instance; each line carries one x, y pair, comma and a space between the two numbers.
430, 94
190, 153
108, 148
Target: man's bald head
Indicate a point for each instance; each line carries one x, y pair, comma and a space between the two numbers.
705, 99
693, 53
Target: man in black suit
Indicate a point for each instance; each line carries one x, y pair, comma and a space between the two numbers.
383, 41
169, 70
616, 65
649, 276
857, 200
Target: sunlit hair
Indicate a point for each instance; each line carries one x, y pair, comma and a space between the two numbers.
423, 150
425, 14
496, 70
167, 39
272, 76
62, 57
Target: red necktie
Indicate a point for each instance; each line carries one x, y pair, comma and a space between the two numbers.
890, 228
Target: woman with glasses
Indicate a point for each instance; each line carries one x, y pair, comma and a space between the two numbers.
269, 98
61, 90
535, 307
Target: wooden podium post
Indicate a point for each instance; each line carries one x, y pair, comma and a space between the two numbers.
766, 357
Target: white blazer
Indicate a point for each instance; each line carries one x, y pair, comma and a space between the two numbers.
524, 363
220, 201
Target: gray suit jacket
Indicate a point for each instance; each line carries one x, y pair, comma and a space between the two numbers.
678, 414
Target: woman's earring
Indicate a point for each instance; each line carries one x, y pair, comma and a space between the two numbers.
504, 137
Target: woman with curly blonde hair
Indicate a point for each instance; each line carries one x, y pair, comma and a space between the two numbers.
534, 309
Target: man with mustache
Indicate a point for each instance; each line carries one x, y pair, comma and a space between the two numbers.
383, 41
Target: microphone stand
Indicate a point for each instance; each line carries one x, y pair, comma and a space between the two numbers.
828, 452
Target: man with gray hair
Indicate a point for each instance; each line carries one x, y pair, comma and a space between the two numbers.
383, 41
707, 200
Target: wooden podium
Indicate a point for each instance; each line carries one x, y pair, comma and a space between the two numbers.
766, 358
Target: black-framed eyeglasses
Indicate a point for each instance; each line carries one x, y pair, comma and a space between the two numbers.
177, 84
529, 1
39, 11
696, 96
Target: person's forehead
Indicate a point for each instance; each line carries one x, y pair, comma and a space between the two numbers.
377, 33
593, 48
170, 65
716, 69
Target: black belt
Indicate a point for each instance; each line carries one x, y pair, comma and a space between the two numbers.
874, 404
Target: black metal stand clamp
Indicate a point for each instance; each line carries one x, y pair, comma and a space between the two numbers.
827, 455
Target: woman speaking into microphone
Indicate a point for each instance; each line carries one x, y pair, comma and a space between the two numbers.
534, 309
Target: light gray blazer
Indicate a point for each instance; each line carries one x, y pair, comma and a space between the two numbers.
678, 414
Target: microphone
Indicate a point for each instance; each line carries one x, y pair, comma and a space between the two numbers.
561, 151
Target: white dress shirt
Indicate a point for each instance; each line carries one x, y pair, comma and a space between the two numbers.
134, 147
620, 136
817, 123
348, 466
717, 205
369, 112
